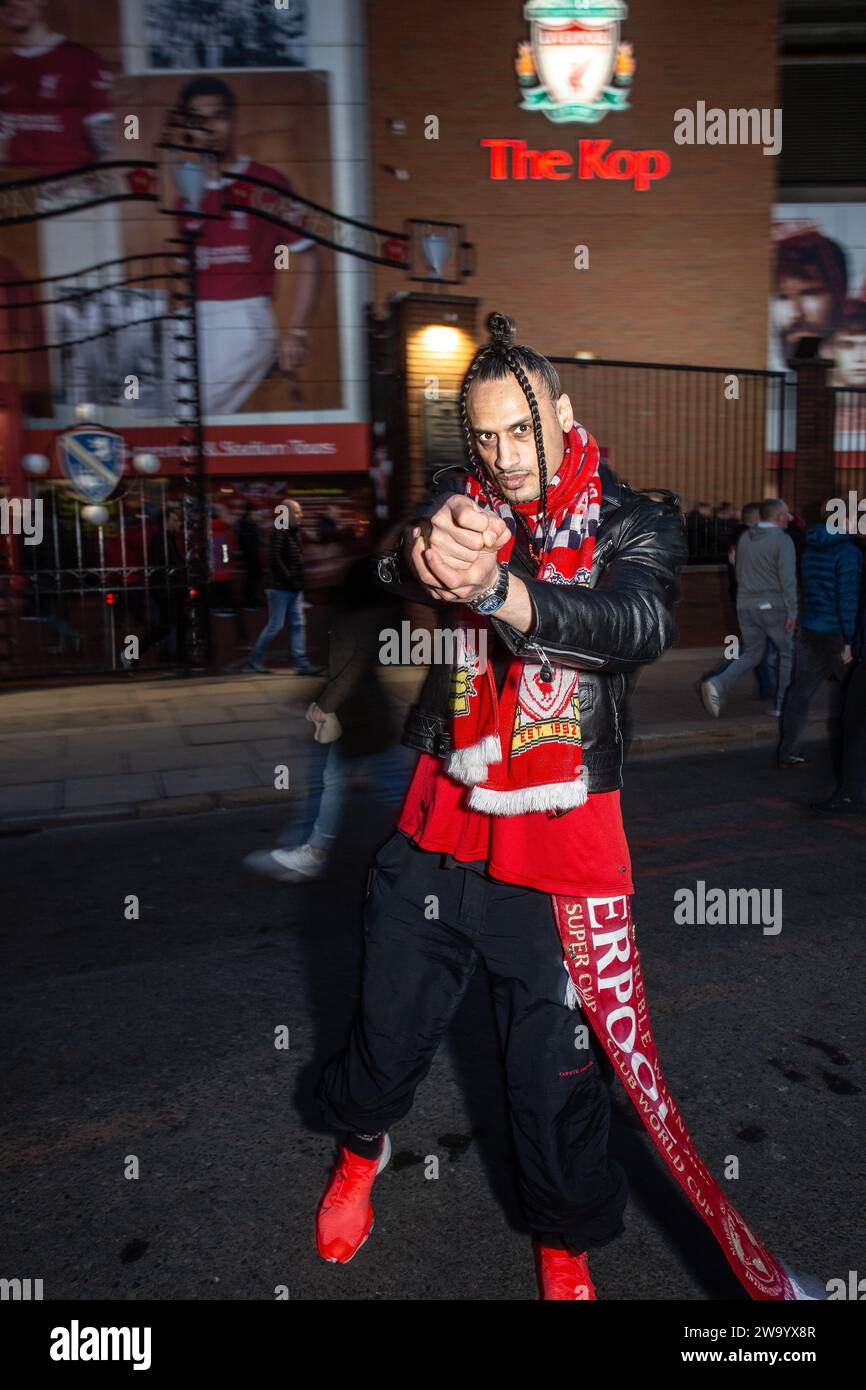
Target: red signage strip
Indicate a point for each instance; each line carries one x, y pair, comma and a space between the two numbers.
233, 449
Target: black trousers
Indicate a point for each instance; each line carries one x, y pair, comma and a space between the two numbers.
853, 779
426, 928
819, 658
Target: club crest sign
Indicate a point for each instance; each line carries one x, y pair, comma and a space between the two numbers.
573, 67
91, 459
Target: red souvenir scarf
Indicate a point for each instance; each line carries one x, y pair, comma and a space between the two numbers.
521, 750
603, 963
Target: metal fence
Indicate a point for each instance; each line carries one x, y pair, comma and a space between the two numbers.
121, 336
849, 440
713, 435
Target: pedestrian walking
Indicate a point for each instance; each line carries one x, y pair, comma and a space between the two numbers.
285, 595
766, 568
249, 549
766, 671
830, 572
355, 717
850, 793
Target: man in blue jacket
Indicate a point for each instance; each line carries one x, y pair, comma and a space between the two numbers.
830, 574
850, 794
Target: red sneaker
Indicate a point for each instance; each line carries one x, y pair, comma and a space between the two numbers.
562, 1275
344, 1219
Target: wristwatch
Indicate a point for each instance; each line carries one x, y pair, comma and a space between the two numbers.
492, 599
388, 565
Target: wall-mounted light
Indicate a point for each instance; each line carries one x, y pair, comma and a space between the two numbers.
146, 464
440, 339
85, 411
37, 465
585, 356
95, 514
397, 126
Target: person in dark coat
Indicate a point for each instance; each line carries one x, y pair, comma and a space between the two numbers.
830, 574
355, 717
249, 548
850, 794
284, 592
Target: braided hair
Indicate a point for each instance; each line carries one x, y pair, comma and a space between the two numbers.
494, 362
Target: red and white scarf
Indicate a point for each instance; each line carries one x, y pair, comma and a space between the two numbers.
535, 721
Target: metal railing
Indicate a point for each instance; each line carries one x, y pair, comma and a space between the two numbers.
714, 435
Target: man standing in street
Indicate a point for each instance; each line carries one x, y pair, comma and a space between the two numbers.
766, 569
850, 794
285, 594
510, 848
830, 573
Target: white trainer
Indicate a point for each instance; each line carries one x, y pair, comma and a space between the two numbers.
711, 698
301, 865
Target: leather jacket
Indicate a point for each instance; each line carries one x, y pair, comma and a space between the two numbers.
622, 620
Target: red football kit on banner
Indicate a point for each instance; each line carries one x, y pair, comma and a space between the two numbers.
47, 96
235, 255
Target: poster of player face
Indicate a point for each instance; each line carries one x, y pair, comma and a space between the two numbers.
267, 314
265, 292
200, 34
819, 286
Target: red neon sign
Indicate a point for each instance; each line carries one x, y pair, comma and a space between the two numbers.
595, 160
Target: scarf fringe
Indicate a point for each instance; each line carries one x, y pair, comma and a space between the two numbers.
470, 765
805, 1286
555, 796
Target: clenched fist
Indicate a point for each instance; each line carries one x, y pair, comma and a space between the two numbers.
454, 551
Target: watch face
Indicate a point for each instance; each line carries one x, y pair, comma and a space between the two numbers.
386, 569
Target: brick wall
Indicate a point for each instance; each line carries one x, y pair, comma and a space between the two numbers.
679, 273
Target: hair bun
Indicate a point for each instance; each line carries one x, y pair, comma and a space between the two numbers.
502, 330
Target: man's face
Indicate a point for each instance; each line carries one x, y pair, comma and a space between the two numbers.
20, 15
848, 351
783, 518
802, 308
211, 125
504, 436
295, 514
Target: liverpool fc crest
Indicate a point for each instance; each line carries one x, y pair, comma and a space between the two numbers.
573, 66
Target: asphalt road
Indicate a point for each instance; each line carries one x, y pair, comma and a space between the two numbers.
153, 1040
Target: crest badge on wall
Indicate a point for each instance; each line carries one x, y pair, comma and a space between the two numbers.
91, 460
573, 66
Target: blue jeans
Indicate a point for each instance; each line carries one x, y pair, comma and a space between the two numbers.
280, 606
767, 671
387, 773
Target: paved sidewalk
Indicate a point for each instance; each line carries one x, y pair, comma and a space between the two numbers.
136, 747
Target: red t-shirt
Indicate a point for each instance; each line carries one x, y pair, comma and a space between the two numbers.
235, 255
585, 851
47, 97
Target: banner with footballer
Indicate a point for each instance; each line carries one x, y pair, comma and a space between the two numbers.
83, 83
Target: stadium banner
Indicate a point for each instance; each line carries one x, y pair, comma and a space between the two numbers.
85, 94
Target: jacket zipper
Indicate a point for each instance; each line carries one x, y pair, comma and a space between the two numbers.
546, 672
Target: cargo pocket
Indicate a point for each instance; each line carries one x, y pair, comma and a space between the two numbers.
384, 872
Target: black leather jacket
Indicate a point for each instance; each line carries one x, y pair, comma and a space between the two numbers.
619, 622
